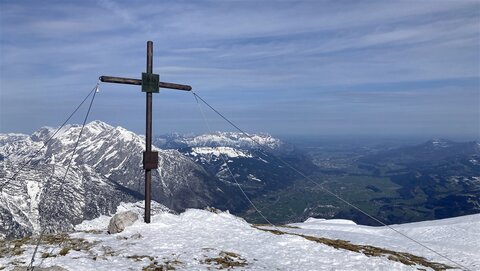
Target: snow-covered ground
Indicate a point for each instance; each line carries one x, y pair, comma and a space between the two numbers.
203, 240
457, 238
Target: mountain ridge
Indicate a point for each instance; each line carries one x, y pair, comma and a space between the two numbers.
192, 173
108, 158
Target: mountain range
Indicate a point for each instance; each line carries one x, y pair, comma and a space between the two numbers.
436, 179
107, 169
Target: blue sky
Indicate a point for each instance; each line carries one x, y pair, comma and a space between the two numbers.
384, 68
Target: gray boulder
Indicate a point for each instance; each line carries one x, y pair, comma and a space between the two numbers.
121, 220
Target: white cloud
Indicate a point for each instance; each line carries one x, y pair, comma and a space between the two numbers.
257, 48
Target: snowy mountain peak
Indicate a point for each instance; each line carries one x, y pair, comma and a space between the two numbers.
439, 143
92, 128
11, 137
228, 139
98, 126
44, 133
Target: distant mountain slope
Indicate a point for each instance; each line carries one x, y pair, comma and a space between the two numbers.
441, 177
251, 159
432, 151
106, 169
39, 198
117, 154
224, 139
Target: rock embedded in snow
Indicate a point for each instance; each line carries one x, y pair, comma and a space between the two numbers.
51, 268
121, 220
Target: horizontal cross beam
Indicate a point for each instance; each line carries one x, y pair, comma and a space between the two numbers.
138, 82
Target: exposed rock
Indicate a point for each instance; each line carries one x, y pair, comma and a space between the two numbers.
121, 220
51, 268
136, 236
213, 210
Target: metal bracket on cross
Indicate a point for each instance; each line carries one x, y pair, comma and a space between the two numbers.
150, 82
150, 160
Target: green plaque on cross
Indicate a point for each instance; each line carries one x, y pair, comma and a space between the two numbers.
150, 82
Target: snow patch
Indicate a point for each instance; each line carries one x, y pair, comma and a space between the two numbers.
231, 139
253, 178
312, 220
217, 151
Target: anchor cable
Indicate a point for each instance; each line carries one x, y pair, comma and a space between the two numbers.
51, 137
31, 267
325, 189
228, 167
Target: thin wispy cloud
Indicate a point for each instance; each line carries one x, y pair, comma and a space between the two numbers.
327, 57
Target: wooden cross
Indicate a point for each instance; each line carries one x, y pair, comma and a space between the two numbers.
150, 83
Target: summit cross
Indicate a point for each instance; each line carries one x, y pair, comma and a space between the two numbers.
150, 83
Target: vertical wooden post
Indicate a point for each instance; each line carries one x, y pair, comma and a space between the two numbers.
148, 136
150, 84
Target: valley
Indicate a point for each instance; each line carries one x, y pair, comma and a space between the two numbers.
433, 180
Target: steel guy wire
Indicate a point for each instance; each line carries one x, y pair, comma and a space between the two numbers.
31, 267
325, 189
228, 167
51, 137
